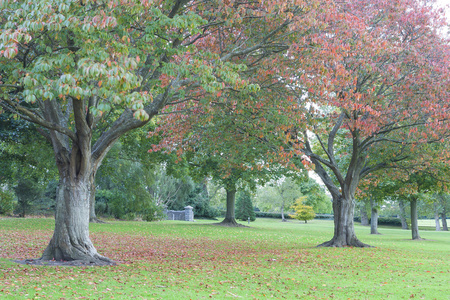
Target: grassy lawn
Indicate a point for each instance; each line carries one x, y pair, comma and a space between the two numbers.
180, 260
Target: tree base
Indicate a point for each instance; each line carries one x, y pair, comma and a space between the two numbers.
353, 243
97, 220
229, 223
71, 263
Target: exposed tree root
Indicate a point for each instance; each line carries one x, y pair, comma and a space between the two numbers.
70, 263
229, 223
340, 243
97, 220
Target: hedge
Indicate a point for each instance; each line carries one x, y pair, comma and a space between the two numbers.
389, 221
271, 215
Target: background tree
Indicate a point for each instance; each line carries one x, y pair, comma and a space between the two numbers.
381, 79
302, 211
25, 167
244, 207
279, 195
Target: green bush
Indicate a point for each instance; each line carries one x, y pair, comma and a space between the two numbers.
244, 207
6, 203
153, 213
131, 216
388, 221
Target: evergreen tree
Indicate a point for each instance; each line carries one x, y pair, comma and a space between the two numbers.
244, 207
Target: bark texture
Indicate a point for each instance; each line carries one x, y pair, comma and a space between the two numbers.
230, 213
401, 205
70, 241
374, 218
414, 221
444, 221
344, 230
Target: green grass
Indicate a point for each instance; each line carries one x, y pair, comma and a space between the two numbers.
180, 260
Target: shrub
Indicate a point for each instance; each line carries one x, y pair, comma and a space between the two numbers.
6, 203
244, 207
388, 221
303, 212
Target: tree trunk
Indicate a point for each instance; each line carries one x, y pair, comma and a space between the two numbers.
373, 218
414, 221
344, 230
436, 217
92, 215
283, 219
229, 215
70, 239
444, 221
401, 205
364, 216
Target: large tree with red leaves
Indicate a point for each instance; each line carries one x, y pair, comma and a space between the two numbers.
377, 85
87, 72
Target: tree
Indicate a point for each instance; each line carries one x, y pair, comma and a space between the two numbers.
303, 212
315, 196
68, 66
363, 212
377, 86
279, 195
25, 166
244, 207
444, 203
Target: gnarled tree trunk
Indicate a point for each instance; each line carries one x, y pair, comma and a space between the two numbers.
414, 221
401, 205
344, 230
70, 241
374, 217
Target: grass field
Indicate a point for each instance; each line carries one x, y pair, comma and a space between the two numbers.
180, 260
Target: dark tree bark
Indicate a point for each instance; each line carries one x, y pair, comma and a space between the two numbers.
401, 205
414, 221
344, 230
364, 216
444, 221
436, 217
374, 217
231, 199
